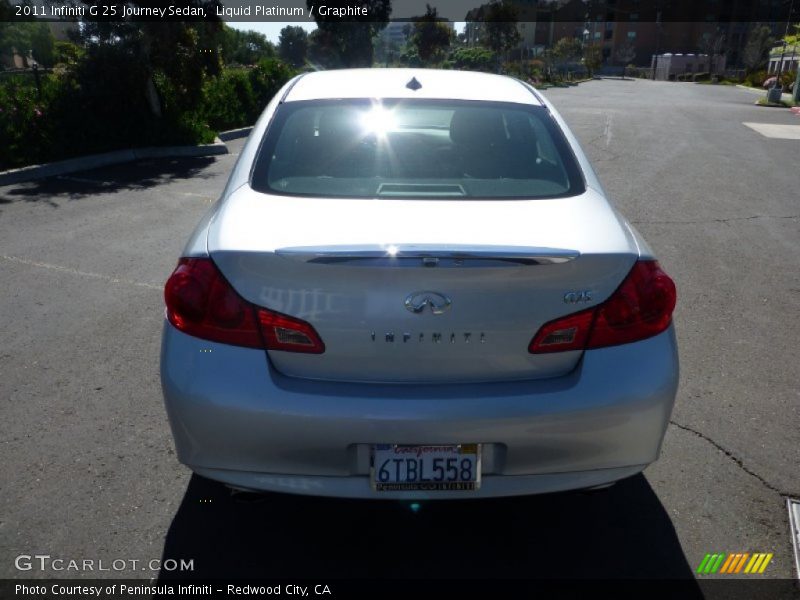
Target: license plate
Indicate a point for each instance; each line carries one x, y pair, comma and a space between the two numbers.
455, 467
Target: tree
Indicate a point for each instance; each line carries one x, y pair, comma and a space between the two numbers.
67, 53
350, 38
567, 50
28, 39
323, 49
592, 59
624, 54
409, 56
245, 47
388, 50
293, 45
495, 26
501, 27
42, 44
430, 35
757, 48
156, 65
712, 45
14, 37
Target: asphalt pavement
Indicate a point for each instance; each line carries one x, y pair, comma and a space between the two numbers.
88, 469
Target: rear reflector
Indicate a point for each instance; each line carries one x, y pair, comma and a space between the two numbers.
640, 308
201, 303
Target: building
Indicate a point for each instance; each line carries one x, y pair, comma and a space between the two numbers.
784, 59
668, 66
61, 31
396, 33
651, 28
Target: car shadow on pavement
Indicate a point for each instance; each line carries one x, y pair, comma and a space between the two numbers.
622, 532
108, 180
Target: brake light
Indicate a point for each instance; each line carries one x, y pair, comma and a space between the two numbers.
640, 308
201, 302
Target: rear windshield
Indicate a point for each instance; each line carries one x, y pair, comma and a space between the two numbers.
415, 149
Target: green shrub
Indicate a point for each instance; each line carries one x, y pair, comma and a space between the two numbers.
25, 125
788, 79
266, 78
756, 78
106, 99
227, 100
475, 58
237, 97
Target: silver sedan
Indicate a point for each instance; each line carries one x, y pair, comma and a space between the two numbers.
413, 286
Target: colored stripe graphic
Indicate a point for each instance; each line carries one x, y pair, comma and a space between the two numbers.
721, 562
718, 563
764, 564
749, 566
731, 560
757, 564
703, 563
741, 562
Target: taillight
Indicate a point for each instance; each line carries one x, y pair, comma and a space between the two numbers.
201, 303
640, 308
567, 333
286, 333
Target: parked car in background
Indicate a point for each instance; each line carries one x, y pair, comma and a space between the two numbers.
414, 286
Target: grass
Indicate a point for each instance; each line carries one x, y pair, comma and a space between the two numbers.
783, 103
561, 84
720, 82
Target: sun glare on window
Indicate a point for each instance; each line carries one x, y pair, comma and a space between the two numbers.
378, 121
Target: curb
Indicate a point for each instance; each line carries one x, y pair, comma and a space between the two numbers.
94, 161
235, 134
770, 105
784, 95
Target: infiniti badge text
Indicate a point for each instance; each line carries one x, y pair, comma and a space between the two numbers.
437, 337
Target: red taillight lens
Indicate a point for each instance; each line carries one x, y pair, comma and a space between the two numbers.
201, 303
567, 333
640, 308
285, 333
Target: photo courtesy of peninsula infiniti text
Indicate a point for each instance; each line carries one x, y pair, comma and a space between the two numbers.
414, 287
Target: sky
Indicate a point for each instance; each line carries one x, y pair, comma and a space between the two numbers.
273, 30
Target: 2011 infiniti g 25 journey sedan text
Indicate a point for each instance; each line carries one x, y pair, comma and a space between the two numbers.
413, 286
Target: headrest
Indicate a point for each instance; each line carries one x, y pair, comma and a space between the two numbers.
520, 129
339, 123
477, 126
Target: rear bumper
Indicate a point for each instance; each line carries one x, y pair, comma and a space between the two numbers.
237, 420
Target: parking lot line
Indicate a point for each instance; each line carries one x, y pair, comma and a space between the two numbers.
70, 270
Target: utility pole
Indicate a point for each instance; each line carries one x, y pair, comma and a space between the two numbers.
658, 42
783, 48
797, 88
35, 67
796, 94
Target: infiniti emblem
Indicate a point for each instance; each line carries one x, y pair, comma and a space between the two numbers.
416, 302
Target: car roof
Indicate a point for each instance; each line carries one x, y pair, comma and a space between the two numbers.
392, 83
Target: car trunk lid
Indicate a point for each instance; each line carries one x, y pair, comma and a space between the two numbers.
412, 291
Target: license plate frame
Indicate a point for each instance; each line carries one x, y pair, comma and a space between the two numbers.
424, 456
